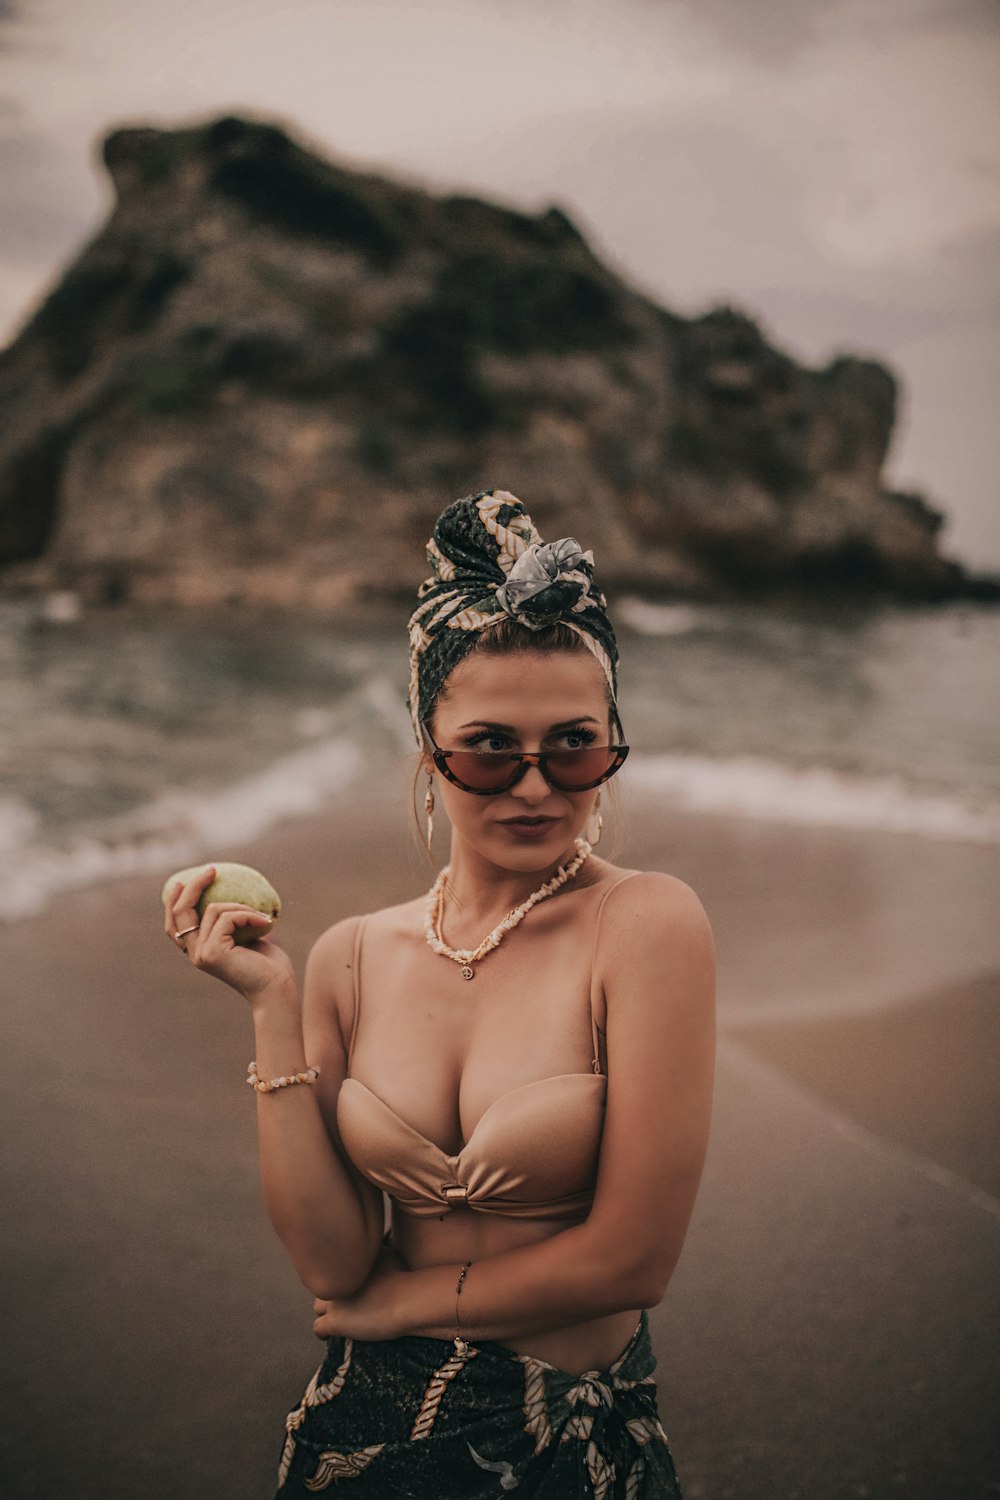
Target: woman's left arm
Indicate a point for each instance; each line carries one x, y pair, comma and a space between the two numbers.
656, 958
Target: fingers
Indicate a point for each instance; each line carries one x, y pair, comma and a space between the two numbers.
318, 1308
219, 920
322, 1326
169, 921
218, 909
181, 909
219, 923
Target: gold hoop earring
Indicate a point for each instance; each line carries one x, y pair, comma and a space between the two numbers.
429, 809
600, 822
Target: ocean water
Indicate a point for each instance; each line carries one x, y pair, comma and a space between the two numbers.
132, 740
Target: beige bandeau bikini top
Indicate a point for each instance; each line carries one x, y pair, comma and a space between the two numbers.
532, 1154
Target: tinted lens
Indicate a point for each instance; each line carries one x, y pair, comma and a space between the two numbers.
578, 768
485, 770
482, 769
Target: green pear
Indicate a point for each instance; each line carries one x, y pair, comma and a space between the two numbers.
233, 882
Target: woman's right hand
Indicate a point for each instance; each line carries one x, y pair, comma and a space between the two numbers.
249, 970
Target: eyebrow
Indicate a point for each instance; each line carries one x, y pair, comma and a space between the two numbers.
512, 728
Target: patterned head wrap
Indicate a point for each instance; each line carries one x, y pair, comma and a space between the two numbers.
491, 564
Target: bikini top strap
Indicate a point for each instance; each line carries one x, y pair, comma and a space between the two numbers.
594, 985
356, 986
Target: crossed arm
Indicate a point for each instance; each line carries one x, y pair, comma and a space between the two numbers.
657, 963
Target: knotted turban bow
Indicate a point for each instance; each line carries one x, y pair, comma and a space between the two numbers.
545, 582
489, 564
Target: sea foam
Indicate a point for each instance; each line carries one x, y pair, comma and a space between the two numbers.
174, 829
753, 787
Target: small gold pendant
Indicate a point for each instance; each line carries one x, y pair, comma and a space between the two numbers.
461, 1348
468, 972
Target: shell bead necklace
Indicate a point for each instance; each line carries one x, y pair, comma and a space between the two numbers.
468, 956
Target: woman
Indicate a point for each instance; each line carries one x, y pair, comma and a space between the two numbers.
541, 1164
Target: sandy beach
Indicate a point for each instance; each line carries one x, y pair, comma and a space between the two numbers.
832, 1327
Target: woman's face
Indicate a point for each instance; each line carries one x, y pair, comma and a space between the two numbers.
524, 700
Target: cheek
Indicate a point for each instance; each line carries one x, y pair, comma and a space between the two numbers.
462, 808
583, 803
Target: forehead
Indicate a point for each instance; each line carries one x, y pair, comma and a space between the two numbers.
525, 686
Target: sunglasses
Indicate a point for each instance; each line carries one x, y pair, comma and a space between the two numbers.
485, 772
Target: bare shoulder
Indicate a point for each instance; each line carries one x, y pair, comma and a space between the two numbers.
656, 901
331, 955
334, 949
654, 917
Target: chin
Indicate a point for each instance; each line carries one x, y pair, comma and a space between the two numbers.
529, 851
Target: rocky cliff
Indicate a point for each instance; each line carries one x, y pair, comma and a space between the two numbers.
267, 373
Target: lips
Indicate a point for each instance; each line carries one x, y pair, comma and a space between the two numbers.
527, 822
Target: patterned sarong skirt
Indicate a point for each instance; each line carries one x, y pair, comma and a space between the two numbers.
409, 1419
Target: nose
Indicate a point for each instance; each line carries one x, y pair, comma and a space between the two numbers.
532, 786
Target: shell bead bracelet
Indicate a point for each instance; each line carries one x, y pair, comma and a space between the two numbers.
268, 1085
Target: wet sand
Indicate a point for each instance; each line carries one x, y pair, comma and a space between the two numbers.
924, 1073
831, 1329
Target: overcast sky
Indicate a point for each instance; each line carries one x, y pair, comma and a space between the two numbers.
831, 167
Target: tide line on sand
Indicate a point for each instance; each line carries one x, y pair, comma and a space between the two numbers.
779, 1083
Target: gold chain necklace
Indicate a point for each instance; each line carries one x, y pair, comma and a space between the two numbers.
468, 956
